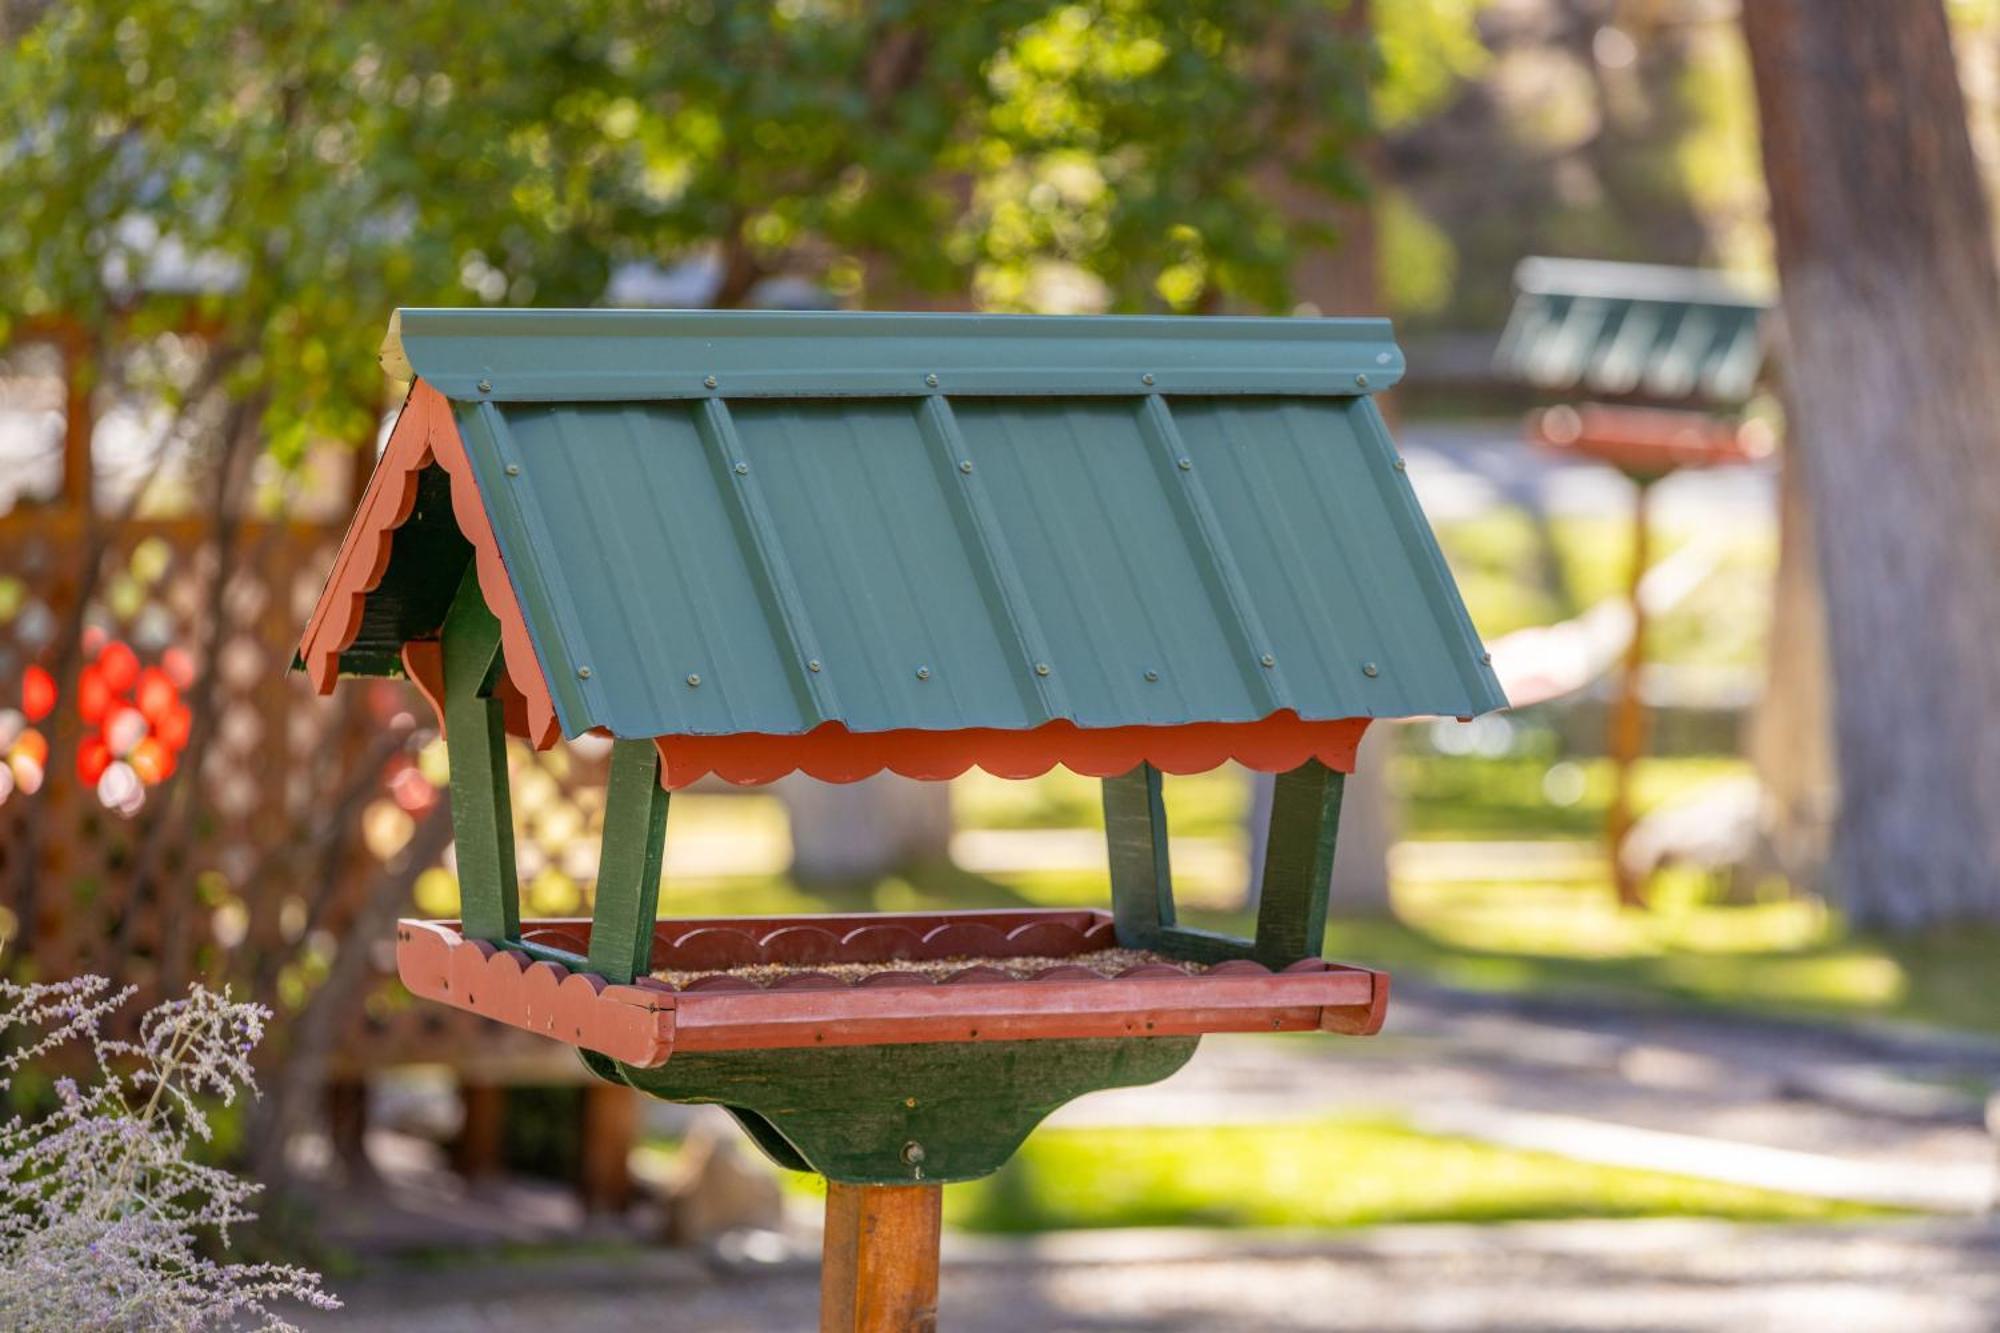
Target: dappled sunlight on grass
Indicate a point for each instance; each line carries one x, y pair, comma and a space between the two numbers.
1210, 804
1333, 1172
1581, 918
1453, 796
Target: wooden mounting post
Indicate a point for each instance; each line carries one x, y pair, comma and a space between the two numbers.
879, 1266
1628, 710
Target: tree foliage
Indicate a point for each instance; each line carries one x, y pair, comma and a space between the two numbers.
279, 177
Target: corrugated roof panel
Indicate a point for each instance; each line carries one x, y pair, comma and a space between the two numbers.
1116, 586
918, 563
648, 580
708, 563
865, 522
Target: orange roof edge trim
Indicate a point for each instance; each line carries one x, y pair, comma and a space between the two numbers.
832, 753
425, 433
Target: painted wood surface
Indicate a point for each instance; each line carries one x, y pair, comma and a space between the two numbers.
628, 865
1298, 863
900, 1114
425, 434
645, 1022
476, 740
879, 1259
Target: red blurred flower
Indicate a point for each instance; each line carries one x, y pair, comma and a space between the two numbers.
120, 666
174, 727
38, 693
93, 756
156, 694
93, 695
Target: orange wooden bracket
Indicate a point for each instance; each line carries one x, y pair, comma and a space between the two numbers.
425, 433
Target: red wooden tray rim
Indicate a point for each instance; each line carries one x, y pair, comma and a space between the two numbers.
643, 1023
1648, 439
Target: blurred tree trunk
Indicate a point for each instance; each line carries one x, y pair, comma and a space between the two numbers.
1341, 279
856, 832
1791, 737
1892, 302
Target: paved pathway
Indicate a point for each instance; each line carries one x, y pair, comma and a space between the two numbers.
1691, 1277
1884, 1115
1881, 1113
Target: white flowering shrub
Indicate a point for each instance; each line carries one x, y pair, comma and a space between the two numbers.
103, 1215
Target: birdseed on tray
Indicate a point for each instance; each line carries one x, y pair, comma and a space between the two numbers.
1104, 962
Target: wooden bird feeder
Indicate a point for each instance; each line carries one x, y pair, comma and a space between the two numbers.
753, 544
1659, 363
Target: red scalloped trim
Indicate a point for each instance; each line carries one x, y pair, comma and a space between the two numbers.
832, 753
642, 1024
425, 432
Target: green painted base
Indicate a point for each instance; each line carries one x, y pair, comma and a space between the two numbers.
891, 1115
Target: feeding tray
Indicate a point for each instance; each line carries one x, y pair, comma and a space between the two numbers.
1648, 443
753, 544
774, 983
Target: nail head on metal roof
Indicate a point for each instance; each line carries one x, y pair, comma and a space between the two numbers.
1402, 465
742, 469
1185, 464
583, 673
1360, 381
513, 469
486, 386
708, 382
965, 465
1147, 378
931, 380
1268, 660
1370, 670
693, 680
812, 664
1152, 675
1041, 668
1486, 659
923, 673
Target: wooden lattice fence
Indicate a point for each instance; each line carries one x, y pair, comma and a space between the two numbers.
256, 874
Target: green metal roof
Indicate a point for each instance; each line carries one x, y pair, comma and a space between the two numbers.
1634, 331
1114, 521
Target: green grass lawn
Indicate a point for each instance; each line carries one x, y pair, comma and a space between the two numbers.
1346, 1171
1509, 798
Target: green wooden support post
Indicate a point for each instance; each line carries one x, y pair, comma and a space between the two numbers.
1298, 864
1135, 832
482, 818
1298, 861
628, 864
